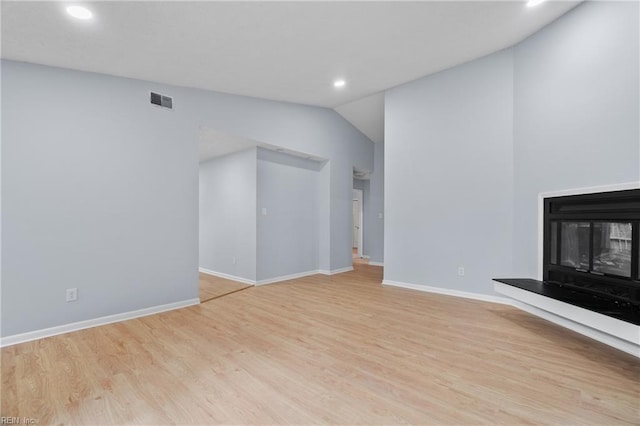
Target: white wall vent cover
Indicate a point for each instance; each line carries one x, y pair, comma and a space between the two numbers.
161, 100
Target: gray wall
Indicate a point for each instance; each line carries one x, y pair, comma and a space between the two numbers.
98, 183
287, 236
99, 193
376, 225
576, 97
228, 214
449, 177
469, 149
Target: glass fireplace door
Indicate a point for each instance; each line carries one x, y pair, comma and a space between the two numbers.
574, 244
612, 248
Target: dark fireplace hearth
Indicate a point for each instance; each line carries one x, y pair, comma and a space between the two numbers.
591, 254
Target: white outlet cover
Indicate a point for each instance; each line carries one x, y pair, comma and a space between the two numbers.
461, 271
264, 211
72, 294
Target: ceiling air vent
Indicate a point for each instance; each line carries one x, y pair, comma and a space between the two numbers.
161, 100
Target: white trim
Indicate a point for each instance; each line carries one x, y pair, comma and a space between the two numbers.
448, 292
341, 270
372, 263
574, 191
227, 276
276, 279
619, 334
95, 322
335, 271
286, 277
360, 200
366, 256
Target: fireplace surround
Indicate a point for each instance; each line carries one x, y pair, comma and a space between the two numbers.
589, 261
591, 244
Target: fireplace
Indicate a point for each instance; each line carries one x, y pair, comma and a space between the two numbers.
591, 244
591, 253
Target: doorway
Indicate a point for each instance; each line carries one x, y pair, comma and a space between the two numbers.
357, 238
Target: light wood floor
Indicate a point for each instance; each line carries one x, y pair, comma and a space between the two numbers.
359, 260
340, 349
211, 287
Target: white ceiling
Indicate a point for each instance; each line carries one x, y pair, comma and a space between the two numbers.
367, 114
288, 51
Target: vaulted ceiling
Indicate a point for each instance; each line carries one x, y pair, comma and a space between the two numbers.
285, 51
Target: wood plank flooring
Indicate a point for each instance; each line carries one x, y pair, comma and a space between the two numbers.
211, 287
359, 260
338, 350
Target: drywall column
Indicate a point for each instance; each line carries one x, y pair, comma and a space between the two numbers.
324, 218
375, 243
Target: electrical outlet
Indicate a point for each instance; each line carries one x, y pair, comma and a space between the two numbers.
234, 260
72, 294
264, 211
461, 271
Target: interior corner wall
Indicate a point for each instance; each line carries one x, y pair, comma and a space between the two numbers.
576, 111
323, 217
449, 177
288, 225
227, 211
469, 149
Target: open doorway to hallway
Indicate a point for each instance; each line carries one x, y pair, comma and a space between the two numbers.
358, 228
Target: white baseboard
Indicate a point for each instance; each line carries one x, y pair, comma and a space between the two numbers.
286, 277
366, 256
619, 334
376, 263
448, 292
335, 271
227, 276
81, 325
276, 279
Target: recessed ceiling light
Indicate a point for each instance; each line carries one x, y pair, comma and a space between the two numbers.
339, 83
532, 3
79, 12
